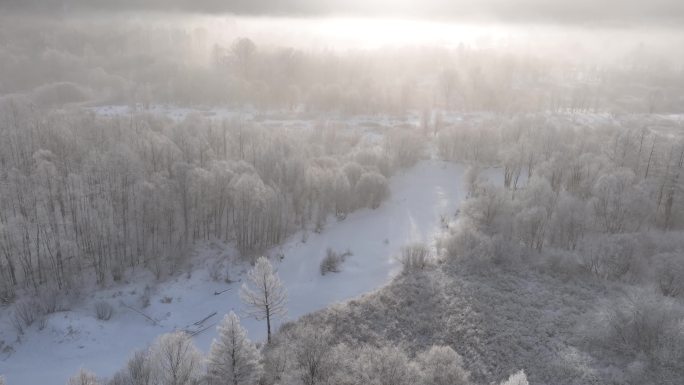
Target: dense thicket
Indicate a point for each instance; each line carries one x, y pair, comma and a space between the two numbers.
601, 202
564, 176
81, 193
302, 354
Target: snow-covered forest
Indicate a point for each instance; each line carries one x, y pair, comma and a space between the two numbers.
83, 194
199, 193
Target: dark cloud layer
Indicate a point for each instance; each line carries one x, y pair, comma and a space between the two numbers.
627, 12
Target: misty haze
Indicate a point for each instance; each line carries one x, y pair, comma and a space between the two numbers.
362, 192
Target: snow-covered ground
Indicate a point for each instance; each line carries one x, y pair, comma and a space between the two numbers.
174, 112
73, 339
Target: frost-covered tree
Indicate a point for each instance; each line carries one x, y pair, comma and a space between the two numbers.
353, 171
153, 189
472, 179
342, 194
312, 355
265, 295
669, 273
518, 378
277, 358
568, 222
465, 241
257, 218
619, 205
233, 359
83, 377
243, 50
175, 360
2, 380
137, 371
385, 366
530, 226
372, 189
140, 369
404, 147
487, 204
441, 365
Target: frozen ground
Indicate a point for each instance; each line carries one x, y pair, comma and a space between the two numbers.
173, 112
73, 339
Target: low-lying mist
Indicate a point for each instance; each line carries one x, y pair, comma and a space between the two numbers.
346, 64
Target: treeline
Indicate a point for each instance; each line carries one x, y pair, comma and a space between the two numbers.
301, 354
81, 193
564, 181
187, 62
603, 201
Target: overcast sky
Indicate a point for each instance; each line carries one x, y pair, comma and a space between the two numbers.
601, 12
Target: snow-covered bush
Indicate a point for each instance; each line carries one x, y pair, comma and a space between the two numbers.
669, 273
562, 263
175, 360
414, 256
368, 364
145, 296
276, 360
220, 271
353, 171
49, 301
332, 261
618, 204
644, 323
312, 358
7, 291
117, 272
608, 256
138, 371
472, 178
119, 378
406, 147
371, 190
83, 377
385, 366
441, 365
103, 310
374, 161
518, 378
466, 242
486, 208
26, 311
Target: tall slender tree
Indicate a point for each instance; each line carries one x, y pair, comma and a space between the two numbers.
265, 295
233, 359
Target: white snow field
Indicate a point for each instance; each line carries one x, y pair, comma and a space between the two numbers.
73, 339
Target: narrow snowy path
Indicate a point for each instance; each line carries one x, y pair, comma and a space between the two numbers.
74, 339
